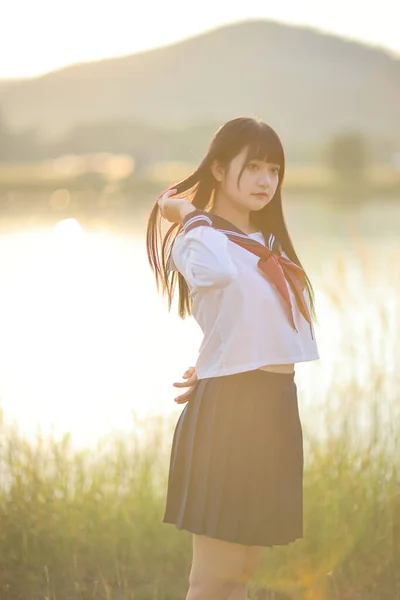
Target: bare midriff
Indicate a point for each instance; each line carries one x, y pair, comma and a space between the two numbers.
278, 368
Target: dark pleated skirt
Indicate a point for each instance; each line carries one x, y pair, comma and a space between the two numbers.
236, 464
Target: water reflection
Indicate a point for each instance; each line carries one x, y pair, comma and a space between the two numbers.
85, 338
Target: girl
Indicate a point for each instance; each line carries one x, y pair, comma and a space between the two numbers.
236, 465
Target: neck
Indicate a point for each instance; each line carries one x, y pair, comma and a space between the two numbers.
238, 216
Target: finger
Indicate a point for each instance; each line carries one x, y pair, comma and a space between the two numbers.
188, 374
182, 384
192, 379
189, 371
183, 397
168, 193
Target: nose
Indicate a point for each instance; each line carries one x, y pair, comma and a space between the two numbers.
264, 180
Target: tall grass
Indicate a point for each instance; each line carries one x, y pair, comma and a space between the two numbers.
88, 524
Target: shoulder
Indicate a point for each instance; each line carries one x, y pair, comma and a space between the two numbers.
178, 239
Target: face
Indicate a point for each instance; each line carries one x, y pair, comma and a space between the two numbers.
257, 184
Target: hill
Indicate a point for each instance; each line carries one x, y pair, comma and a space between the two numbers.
304, 83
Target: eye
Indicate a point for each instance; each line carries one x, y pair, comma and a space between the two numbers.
276, 170
251, 165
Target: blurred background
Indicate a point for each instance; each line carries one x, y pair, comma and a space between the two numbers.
101, 107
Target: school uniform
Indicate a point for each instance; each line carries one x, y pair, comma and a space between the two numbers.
236, 464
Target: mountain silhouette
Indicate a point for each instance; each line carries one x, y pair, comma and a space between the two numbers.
304, 83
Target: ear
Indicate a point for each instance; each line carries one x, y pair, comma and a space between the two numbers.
217, 170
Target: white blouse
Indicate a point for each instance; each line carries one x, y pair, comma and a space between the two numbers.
240, 312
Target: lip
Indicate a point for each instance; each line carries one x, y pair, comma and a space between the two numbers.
262, 195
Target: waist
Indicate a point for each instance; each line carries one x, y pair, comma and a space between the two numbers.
289, 368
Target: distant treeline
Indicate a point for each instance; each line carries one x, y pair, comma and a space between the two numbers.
149, 145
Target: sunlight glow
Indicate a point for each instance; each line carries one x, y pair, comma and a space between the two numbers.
86, 31
86, 341
82, 335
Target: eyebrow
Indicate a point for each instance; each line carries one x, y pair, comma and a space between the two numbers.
266, 161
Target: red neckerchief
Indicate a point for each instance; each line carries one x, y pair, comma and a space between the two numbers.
274, 265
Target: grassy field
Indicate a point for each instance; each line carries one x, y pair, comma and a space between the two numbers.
81, 525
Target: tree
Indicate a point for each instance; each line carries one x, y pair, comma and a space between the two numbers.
349, 156
5, 138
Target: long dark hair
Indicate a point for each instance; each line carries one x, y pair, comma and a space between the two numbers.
263, 143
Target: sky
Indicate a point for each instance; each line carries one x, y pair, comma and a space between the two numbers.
44, 35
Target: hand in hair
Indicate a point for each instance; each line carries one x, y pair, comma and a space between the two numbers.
174, 209
191, 375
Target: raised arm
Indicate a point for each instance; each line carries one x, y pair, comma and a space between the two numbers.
201, 253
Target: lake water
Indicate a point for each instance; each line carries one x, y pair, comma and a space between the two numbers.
85, 338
